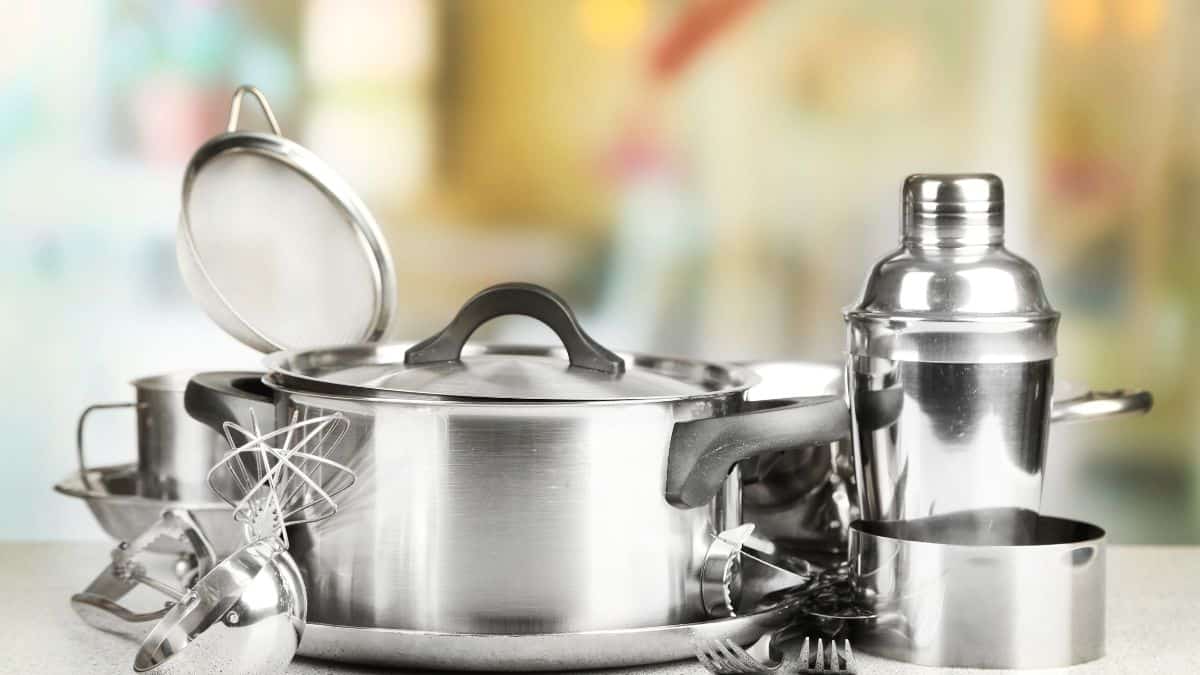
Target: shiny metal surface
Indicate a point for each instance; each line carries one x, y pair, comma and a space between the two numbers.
950, 360
1001, 588
113, 498
175, 452
803, 499
1095, 404
952, 293
553, 652
724, 656
720, 573
949, 436
950, 368
364, 371
823, 660
99, 603
245, 616
501, 518
253, 205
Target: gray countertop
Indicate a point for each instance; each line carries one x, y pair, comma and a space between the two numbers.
1153, 617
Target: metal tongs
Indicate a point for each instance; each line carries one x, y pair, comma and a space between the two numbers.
98, 603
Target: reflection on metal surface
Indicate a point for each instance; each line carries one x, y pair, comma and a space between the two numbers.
398, 648
996, 588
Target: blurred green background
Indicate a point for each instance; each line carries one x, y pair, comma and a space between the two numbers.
705, 177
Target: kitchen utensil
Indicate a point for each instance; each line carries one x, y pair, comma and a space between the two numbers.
99, 605
247, 615
720, 574
524, 489
112, 494
725, 656
951, 362
174, 451
992, 588
276, 247
826, 660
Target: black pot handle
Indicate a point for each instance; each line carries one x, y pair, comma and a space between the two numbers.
225, 396
703, 451
526, 300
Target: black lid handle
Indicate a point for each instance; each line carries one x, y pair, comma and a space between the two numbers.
527, 300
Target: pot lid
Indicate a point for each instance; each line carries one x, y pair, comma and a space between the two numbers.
276, 247
443, 367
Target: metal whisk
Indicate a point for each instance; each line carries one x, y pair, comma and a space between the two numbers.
292, 484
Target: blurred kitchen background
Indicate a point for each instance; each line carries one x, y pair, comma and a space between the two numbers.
699, 177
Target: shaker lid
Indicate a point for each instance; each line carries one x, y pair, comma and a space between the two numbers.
952, 291
444, 367
953, 209
276, 247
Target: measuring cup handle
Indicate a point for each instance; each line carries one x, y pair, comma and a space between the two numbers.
83, 470
1099, 404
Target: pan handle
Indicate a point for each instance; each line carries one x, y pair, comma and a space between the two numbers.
219, 397
526, 300
83, 470
703, 451
1100, 404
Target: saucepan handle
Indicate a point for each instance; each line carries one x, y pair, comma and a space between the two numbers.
1099, 404
83, 470
703, 451
219, 397
520, 299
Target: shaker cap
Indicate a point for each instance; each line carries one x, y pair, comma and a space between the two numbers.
953, 209
952, 292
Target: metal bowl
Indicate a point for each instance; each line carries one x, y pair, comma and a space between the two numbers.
113, 498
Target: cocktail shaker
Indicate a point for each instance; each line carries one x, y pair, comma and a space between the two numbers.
950, 365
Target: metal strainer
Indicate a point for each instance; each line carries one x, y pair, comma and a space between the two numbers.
276, 247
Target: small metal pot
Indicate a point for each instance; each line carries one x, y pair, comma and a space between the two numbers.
519, 489
995, 588
174, 451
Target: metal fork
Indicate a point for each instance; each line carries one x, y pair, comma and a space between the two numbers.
723, 656
826, 660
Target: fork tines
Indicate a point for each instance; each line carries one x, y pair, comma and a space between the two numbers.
826, 660
725, 657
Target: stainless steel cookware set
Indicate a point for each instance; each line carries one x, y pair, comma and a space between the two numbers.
529, 507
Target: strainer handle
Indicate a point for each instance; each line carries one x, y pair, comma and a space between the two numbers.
235, 108
83, 470
517, 299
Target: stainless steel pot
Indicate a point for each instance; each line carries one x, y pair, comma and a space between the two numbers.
174, 452
519, 489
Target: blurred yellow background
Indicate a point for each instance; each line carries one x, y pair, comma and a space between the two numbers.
706, 177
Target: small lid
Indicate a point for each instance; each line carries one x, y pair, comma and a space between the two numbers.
953, 209
580, 371
277, 247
